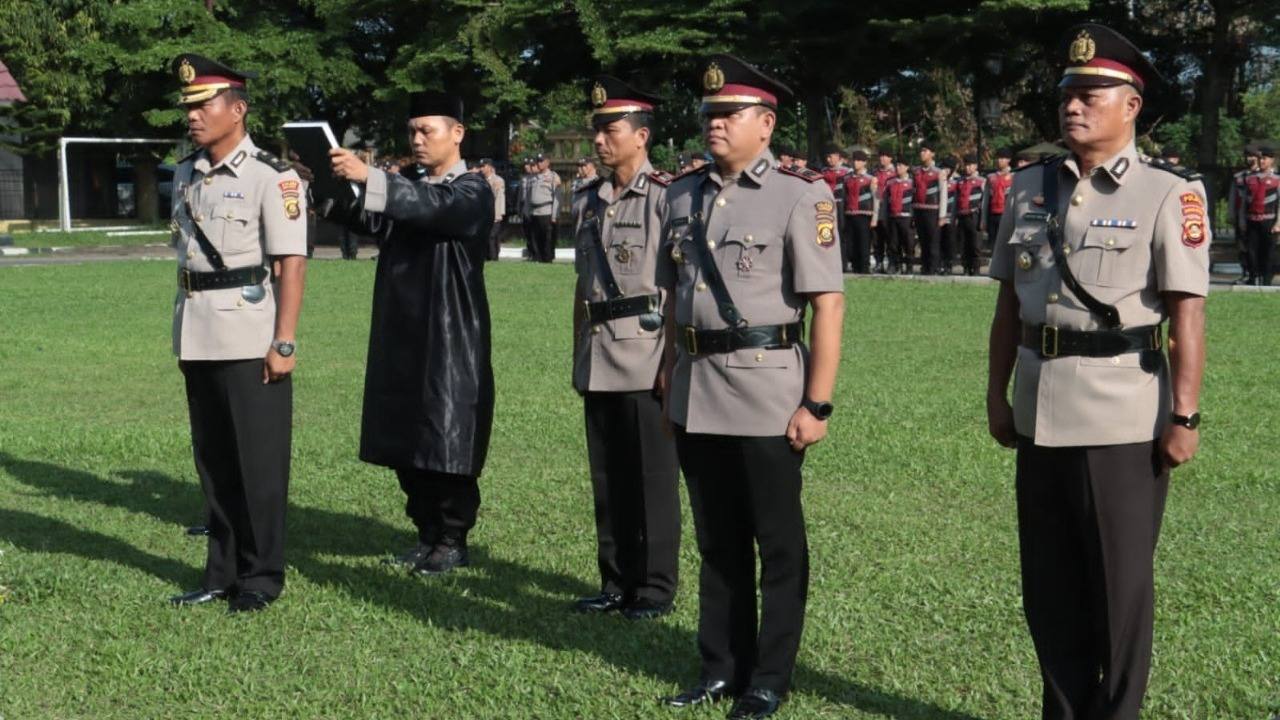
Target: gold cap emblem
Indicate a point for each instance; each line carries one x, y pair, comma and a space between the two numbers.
186, 73
713, 78
1082, 48
598, 95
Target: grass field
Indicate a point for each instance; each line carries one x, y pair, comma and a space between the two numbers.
86, 238
915, 608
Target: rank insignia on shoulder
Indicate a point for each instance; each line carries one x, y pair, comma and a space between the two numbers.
276, 163
1124, 224
662, 178
803, 173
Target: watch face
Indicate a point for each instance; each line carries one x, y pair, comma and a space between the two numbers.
284, 348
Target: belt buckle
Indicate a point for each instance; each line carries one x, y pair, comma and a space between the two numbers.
691, 339
184, 279
1049, 338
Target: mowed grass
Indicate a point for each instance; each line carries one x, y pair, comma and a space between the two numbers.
915, 607
106, 237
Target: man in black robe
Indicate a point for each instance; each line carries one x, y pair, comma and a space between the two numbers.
428, 394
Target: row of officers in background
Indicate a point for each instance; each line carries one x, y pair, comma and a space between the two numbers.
1254, 202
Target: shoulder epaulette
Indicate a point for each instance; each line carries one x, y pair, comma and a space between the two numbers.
1185, 173
273, 161
1038, 163
661, 177
803, 173
587, 186
692, 171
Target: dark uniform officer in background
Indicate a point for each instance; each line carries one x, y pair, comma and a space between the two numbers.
970, 190
617, 352
1097, 249
749, 246
929, 206
885, 171
1235, 200
1260, 214
996, 192
862, 209
236, 211
834, 174
428, 392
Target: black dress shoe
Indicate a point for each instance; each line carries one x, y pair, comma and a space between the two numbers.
707, 691
605, 602
197, 531
755, 703
646, 609
443, 558
249, 601
198, 597
410, 557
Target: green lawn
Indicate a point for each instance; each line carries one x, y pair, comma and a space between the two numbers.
87, 238
915, 609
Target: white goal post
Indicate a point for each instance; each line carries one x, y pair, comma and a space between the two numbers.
64, 191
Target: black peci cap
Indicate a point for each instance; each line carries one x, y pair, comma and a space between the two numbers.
203, 78
428, 103
730, 84
1097, 56
612, 99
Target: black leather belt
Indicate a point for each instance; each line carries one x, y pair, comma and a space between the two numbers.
221, 279
1050, 341
622, 307
704, 342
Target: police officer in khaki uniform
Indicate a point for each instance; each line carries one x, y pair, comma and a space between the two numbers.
238, 212
749, 246
617, 351
1095, 251
544, 207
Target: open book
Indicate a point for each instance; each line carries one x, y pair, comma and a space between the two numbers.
312, 140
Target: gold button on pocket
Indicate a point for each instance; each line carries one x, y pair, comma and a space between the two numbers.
240, 302
595, 329
1110, 242
759, 357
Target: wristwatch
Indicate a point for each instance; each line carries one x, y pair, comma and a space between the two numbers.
820, 410
1190, 422
284, 347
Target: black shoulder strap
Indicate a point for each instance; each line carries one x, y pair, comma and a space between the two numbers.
728, 311
206, 247
1107, 313
602, 258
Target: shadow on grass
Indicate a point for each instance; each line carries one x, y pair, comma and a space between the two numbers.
495, 597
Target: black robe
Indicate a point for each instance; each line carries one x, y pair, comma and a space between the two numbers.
428, 386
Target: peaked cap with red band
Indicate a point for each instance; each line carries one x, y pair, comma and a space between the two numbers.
730, 84
1097, 56
612, 99
203, 78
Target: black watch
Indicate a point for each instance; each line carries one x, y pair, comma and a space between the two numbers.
1190, 422
820, 410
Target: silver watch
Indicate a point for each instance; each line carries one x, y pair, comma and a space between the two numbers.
284, 347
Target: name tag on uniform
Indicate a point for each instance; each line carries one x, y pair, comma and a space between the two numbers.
1036, 216
621, 224
233, 195
1107, 223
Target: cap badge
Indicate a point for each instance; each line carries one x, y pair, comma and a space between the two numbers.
598, 95
713, 78
1082, 48
186, 73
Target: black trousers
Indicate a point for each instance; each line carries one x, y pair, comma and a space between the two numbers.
1260, 242
993, 228
967, 227
1088, 521
526, 228
544, 239
1242, 245
349, 245
440, 505
745, 493
634, 476
859, 242
902, 242
495, 239
884, 241
930, 236
240, 436
948, 242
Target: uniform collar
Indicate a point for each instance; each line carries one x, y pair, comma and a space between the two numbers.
234, 161
638, 185
456, 171
1118, 167
757, 171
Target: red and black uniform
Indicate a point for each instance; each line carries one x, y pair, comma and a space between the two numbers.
970, 190
993, 201
834, 176
895, 214
929, 202
947, 257
861, 204
1235, 201
882, 175
1260, 210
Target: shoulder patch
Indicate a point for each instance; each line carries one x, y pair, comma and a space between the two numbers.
661, 177
1161, 164
275, 162
593, 184
803, 173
